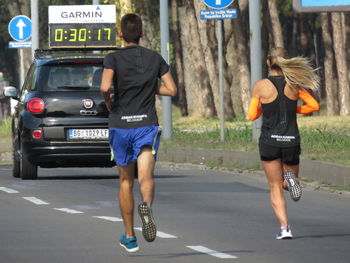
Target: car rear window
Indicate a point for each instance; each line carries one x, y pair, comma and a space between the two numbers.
73, 76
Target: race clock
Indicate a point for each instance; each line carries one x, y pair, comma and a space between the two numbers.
82, 26
82, 35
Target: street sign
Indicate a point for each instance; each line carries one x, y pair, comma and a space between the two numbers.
20, 28
217, 4
218, 14
321, 5
20, 44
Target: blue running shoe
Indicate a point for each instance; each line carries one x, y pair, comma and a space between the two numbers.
130, 244
149, 229
293, 185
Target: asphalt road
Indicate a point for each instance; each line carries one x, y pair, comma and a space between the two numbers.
72, 215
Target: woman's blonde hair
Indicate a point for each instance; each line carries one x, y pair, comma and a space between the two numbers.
298, 71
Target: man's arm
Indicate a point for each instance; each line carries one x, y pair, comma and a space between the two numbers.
106, 84
168, 87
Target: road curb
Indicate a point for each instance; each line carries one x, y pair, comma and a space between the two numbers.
323, 172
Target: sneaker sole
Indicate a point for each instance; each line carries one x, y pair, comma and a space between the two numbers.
128, 249
287, 237
293, 186
149, 229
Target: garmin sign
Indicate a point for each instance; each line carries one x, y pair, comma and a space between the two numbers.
73, 14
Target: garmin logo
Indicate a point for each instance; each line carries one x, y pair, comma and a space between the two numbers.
84, 14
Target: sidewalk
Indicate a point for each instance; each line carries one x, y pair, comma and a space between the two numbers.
322, 172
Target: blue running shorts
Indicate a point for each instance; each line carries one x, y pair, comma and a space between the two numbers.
127, 143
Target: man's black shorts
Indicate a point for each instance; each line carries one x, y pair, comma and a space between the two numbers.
288, 155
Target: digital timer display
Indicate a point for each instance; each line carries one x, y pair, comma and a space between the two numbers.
82, 35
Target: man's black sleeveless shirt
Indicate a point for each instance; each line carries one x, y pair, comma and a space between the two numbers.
279, 124
137, 70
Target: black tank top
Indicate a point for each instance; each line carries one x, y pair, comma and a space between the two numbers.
279, 124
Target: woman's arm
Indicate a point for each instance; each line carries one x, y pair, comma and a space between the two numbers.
311, 104
255, 109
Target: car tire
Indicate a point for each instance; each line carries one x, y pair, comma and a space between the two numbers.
16, 167
29, 171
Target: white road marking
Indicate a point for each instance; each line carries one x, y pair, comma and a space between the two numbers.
35, 200
69, 211
159, 234
8, 190
211, 252
110, 218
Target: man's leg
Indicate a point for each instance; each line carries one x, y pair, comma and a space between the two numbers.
145, 163
126, 197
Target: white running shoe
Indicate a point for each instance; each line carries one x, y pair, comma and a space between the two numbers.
285, 233
293, 185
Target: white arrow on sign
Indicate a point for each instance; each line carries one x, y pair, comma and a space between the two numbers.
20, 26
218, 2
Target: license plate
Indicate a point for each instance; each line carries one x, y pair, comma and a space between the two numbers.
88, 134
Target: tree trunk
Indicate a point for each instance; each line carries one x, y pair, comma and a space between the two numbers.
178, 59
198, 90
205, 44
242, 54
150, 23
330, 81
340, 58
275, 24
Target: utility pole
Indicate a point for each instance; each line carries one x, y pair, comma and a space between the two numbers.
34, 10
255, 54
164, 47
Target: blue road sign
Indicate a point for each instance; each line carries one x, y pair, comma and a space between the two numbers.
218, 4
218, 14
324, 2
321, 5
20, 28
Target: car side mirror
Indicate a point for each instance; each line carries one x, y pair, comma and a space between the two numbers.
11, 92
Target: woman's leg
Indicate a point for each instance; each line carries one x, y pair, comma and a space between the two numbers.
273, 170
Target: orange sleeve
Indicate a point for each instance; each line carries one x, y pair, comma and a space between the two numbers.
255, 109
311, 104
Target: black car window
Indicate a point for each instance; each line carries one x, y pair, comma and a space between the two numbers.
29, 83
65, 77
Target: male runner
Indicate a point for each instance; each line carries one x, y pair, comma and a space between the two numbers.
133, 123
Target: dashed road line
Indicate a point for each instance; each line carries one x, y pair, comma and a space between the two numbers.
35, 200
8, 190
211, 252
159, 233
69, 211
110, 218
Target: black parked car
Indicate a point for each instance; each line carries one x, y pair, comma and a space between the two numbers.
60, 119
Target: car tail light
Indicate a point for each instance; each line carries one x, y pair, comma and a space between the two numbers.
37, 134
36, 105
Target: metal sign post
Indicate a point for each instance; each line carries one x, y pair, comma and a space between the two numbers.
20, 29
167, 121
255, 55
218, 15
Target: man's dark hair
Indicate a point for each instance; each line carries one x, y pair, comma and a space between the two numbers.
131, 27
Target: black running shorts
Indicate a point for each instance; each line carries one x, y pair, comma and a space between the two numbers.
288, 155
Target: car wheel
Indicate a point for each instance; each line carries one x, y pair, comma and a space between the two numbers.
28, 170
16, 170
